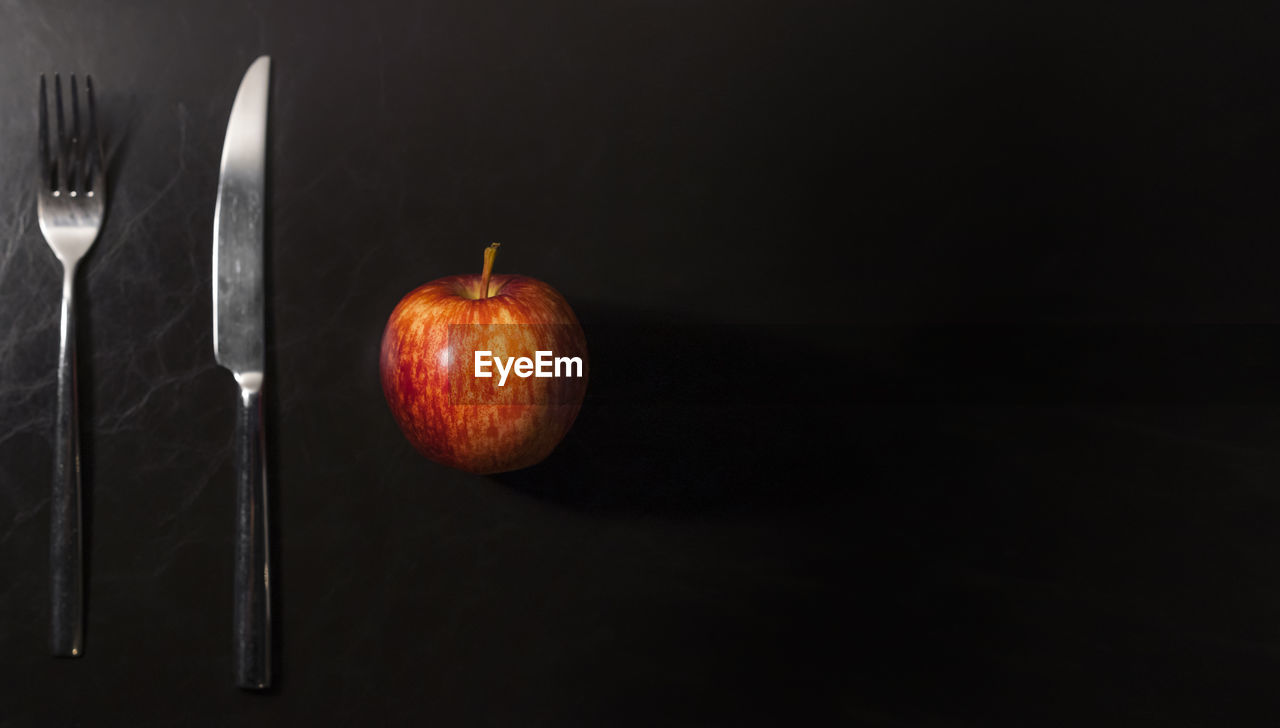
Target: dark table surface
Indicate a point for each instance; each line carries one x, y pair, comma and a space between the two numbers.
932, 365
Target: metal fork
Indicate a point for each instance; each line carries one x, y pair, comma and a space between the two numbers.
70, 206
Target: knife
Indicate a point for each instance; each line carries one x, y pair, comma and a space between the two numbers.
238, 345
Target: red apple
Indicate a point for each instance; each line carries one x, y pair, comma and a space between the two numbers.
512, 418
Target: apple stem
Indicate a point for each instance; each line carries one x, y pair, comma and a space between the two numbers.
490, 253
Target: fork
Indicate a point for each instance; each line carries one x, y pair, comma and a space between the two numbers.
70, 207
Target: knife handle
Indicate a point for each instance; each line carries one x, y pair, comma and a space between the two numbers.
66, 567
252, 611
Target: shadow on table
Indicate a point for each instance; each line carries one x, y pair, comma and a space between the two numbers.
685, 415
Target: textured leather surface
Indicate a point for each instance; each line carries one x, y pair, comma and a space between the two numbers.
804, 488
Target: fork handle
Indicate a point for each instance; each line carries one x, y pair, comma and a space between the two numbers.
66, 569
252, 611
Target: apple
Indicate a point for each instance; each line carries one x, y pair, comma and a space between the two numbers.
471, 369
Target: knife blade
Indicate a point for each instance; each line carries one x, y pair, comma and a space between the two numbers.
237, 231
239, 343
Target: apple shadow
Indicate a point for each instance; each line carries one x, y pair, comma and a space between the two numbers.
683, 414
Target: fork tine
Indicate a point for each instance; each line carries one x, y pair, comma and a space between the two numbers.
62, 135
95, 171
46, 179
77, 172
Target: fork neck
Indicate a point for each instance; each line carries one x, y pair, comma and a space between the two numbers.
69, 277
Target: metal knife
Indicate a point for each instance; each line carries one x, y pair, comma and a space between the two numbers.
238, 345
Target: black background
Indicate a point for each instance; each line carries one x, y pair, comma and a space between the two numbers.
931, 356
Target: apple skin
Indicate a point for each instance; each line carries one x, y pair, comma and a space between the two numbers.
509, 428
